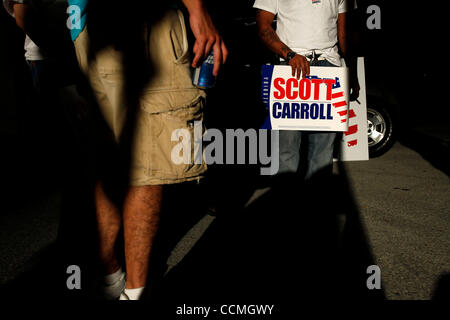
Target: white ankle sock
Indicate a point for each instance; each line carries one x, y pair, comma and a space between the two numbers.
134, 294
113, 277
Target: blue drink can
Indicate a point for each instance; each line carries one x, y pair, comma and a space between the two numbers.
203, 75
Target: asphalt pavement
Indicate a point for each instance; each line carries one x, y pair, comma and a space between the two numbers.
404, 203
392, 211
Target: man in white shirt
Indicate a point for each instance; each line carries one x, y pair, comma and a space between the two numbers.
309, 32
34, 56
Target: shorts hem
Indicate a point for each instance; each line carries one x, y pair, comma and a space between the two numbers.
160, 181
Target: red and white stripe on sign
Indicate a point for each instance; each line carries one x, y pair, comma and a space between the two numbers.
339, 103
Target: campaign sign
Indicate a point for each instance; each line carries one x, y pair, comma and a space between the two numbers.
354, 145
318, 102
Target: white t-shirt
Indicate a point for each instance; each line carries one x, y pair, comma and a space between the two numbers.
32, 51
306, 25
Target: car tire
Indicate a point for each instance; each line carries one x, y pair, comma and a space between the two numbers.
381, 128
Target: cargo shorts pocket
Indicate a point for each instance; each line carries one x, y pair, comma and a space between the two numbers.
179, 40
177, 146
168, 52
170, 87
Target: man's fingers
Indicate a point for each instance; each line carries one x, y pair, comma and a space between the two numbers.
203, 48
355, 94
217, 58
197, 55
224, 52
355, 91
209, 45
300, 67
305, 68
199, 49
295, 71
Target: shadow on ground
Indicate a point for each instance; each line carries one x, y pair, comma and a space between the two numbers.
436, 152
287, 246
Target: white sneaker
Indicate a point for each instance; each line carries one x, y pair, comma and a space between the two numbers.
123, 296
114, 290
132, 294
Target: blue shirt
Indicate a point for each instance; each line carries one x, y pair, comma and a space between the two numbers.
78, 13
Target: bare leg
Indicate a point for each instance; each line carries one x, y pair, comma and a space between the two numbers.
108, 225
141, 219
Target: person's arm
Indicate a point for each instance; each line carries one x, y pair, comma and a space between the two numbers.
206, 35
269, 37
27, 21
22, 15
347, 54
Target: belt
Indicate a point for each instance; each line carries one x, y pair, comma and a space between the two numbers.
314, 56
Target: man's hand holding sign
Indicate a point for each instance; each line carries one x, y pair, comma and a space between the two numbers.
298, 63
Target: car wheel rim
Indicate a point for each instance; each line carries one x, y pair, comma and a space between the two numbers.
376, 127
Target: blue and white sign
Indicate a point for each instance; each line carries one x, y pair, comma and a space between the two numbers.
318, 102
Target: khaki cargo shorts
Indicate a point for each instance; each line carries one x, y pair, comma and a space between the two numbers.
169, 101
